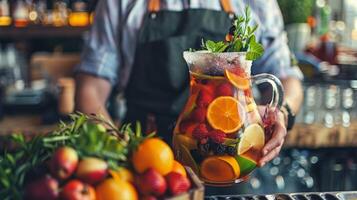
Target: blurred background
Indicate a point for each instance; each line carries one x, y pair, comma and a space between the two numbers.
40, 43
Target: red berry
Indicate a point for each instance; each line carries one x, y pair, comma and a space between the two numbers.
204, 98
200, 132
217, 136
248, 93
187, 127
177, 183
239, 71
224, 89
199, 114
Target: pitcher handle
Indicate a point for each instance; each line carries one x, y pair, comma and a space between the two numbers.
277, 87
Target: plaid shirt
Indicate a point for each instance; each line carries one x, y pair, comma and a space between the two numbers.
100, 55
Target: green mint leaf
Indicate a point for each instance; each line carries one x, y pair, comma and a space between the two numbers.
237, 46
252, 30
210, 45
215, 47
255, 49
220, 47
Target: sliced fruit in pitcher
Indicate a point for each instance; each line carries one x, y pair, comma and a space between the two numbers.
186, 159
246, 165
252, 138
186, 127
240, 82
205, 76
223, 114
184, 140
220, 169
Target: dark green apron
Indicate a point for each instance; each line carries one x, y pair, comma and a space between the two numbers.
159, 83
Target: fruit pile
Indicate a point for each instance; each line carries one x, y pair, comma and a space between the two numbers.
85, 161
71, 178
219, 132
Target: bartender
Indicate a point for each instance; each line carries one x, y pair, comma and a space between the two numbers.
137, 46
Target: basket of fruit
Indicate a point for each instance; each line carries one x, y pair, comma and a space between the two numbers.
89, 158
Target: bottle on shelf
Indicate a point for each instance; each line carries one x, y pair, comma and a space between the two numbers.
5, 18
60, 13
21, 14
79, 15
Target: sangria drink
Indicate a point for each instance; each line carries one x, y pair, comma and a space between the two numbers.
220, 133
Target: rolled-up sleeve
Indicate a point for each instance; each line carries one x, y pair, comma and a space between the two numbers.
100, 53
276, 59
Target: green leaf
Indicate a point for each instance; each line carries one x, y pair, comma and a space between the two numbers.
215, 47
237, 46
255, 49
252, 30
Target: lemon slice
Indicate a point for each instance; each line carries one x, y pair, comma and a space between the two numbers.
253, 138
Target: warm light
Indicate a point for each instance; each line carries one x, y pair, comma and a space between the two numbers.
354, 34
79, 19
33, 16
91, 19
5, 21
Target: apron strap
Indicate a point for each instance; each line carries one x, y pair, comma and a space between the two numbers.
154, 6
227, 6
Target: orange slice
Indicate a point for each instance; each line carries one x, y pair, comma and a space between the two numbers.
238, 81
223, 114
220, 169
253, 138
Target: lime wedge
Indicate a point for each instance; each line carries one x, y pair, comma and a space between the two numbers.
246, 165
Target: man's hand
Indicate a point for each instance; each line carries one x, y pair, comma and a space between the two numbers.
274, 145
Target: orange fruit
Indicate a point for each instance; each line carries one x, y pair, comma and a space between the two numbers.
153, 153
253, 137
111, 189
223, 114
220, 169
239, 82
178, 168
122, 174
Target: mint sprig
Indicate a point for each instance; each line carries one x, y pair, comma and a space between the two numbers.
242, 39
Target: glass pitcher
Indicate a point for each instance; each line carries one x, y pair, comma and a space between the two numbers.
220, 133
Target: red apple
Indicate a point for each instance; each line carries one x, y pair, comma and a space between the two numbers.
151, 182
77, 190
92, 170
43, 188
177, 183
63, 162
